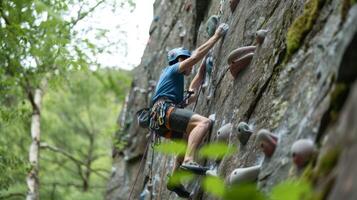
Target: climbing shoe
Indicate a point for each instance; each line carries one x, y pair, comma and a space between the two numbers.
179, 189
194, 168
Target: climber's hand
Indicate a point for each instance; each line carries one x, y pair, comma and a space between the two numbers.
222, 29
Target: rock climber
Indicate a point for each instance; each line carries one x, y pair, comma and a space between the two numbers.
169, 118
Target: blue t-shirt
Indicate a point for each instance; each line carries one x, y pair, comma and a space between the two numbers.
170, 85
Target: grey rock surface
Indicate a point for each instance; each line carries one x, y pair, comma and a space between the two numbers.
294, 98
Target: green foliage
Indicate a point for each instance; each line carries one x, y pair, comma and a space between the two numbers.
290, 190
214, 186
79, 118
172, 147
216, 150
302, 25
179, 177
12, 168
243, 191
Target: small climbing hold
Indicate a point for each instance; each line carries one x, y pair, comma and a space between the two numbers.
302, 152
244, 132
233, 4
267, 141
260, 36
212, 117
212, 172
144, 195
244, 175
240, 58
156, 18
211, 25
224, 132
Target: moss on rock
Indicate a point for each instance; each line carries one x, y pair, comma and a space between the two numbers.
302, 25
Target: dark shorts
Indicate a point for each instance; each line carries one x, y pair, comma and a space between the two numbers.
177, 120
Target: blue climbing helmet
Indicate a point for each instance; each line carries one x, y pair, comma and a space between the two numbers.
174, 54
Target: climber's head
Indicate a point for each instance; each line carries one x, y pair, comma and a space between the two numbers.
177, 55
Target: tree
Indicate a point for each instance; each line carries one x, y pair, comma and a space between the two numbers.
38, 45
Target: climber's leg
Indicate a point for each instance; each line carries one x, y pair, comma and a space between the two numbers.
197, 128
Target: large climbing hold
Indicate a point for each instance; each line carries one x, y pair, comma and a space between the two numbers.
302, 152
224, 132
211, 25
244, 175
267, 142
244, 132
240, 58
233, 4
260, 36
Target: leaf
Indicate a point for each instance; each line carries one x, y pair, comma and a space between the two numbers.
214, 186
172, 148
180, 176
290, 190
243, 191
216, 150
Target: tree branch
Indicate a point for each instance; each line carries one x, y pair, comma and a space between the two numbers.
72, 158
85, 14
61, 151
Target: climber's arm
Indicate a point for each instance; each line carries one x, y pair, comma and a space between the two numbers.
201, 51
196, 82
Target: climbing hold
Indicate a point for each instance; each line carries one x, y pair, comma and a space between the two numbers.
239, 53
224, 132
240, 58
212, 117
233, 4
244, 132
302, 152
211, 25
267, 141
212, 172
156, 18
260, 36
144, 195
209, 64
244, 175
240, 64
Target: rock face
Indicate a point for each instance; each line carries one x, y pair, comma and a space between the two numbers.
295, 92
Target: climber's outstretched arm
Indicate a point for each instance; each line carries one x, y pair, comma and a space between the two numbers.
201, 51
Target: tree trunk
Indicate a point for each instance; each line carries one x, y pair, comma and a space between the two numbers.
32, 177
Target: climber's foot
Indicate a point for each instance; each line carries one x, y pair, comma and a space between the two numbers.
194, 168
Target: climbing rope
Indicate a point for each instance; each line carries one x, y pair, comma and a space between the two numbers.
141, 163
153, 142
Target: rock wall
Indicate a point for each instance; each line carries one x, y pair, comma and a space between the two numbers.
295, 86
